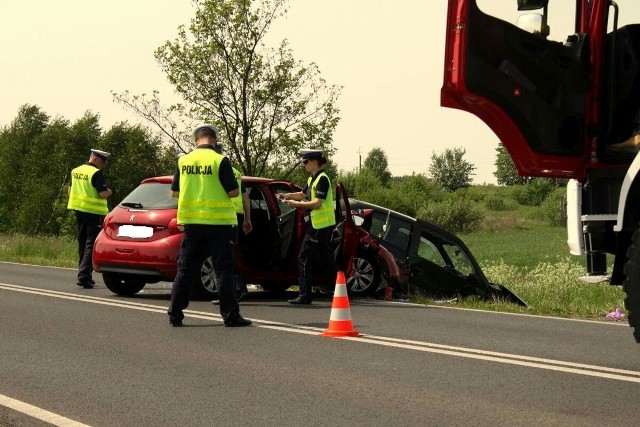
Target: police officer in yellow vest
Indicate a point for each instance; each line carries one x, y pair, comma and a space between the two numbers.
88, 199
317, 197
204, 184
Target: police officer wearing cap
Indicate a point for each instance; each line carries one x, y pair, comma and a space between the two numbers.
317, 198
88, 199
204, 184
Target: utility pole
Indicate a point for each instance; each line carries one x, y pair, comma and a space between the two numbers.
359, 160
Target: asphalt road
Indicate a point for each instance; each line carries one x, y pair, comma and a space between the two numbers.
102, 360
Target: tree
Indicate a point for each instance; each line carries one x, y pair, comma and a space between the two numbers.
450, 170
136, 155
506, 172
266, 104
377, 163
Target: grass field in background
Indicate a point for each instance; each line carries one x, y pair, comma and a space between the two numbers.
39, 250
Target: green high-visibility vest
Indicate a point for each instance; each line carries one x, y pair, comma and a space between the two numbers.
202, 199
324, 216
83, 196
237, 201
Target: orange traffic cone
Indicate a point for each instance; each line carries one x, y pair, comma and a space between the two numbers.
340, 323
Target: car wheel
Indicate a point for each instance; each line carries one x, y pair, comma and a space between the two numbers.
365, 276
204, 284
121, 284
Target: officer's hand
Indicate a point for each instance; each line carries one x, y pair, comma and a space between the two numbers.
247, 227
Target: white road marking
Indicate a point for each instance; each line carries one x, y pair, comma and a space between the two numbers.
470, 353
39, 413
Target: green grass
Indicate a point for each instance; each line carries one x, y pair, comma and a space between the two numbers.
39, 250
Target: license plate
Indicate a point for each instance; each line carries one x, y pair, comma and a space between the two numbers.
135, 231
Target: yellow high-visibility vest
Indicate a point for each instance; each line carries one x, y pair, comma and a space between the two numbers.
83, 196
202, 199
324, 216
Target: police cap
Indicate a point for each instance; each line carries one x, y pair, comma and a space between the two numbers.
99, 153
310, 154
210, 128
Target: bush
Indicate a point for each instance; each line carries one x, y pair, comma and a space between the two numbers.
455, 214
533, 194
551, 210
494, 203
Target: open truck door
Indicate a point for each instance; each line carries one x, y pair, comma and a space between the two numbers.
530, 91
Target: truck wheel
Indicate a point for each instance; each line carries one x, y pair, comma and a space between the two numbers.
365, 276
631, 284
122, 284
204, 284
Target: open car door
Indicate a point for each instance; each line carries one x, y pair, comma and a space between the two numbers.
529, 90
345, 240
287, 220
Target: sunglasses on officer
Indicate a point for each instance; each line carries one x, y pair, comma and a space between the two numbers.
305, 161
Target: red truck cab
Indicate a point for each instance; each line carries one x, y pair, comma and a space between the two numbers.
561, 108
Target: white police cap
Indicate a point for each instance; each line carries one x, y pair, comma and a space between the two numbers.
212, 128
310, 154
99, 153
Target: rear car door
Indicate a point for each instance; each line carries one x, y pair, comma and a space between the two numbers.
529, 90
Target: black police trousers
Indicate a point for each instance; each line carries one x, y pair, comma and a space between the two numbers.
315, 251
89, 225
199, 241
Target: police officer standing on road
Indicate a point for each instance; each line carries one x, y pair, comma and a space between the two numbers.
316, 246
88, 199
204, 184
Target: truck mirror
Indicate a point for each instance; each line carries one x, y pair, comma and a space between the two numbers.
533, 23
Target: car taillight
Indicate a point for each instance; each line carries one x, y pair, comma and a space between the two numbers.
174, 228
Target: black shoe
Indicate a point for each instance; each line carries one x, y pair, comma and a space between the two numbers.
176, 323
300, 301
237, 321
86, 284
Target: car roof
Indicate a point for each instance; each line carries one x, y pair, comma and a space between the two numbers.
246, 179
355, 203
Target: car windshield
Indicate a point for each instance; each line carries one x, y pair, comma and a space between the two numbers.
153, 195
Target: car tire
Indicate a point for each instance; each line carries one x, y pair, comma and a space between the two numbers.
365, 276
204, 286
121, 284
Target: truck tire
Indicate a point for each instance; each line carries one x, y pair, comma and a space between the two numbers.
631, 284
122, 284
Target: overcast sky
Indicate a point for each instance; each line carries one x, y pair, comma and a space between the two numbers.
66, 56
